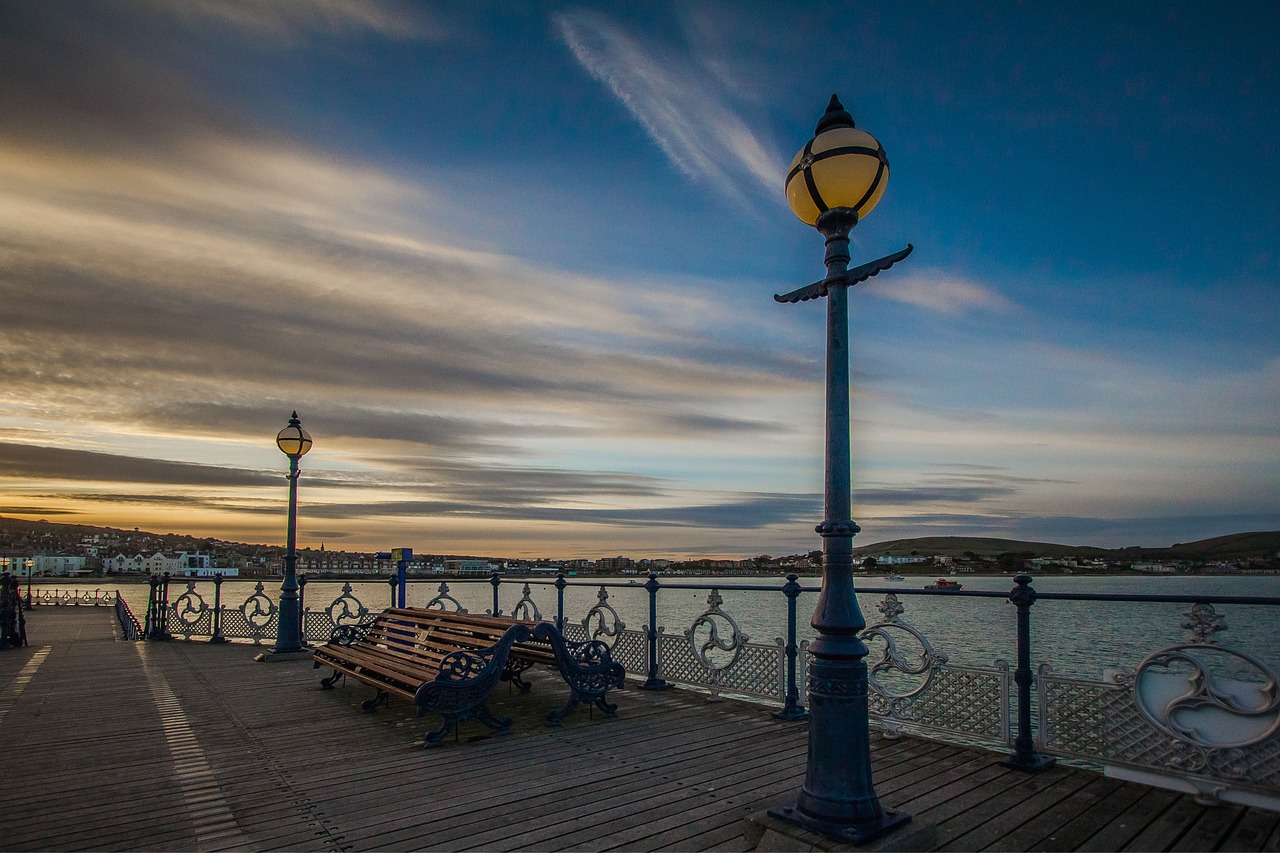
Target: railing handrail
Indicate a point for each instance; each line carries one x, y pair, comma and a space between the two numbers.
1189, 598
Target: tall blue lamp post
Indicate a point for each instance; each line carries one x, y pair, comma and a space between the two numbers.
294, 442
836, 179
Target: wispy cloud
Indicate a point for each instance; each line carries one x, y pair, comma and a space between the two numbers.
296, 19
940, 291
684, 109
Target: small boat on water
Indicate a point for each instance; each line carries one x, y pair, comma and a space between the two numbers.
944, 584
894, 578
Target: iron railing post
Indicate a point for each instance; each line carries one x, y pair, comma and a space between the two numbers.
654, 681
302, 610
160, 624
1024, 756
217, 610
496, 580
561, 583
150, 621
792, 709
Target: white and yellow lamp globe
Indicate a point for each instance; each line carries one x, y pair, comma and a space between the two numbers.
841, 167
293, 440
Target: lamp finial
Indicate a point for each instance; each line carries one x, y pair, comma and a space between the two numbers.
835, 116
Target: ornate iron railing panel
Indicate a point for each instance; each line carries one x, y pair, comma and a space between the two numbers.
1194, 716
714, 653
912, 686
73, 598
444, 601
755, 670
971, 702
190, 615
603, 623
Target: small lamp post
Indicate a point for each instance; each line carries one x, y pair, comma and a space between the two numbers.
294, 442
836, 179
29, 563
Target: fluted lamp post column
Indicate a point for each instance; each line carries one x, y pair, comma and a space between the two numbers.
294, 442
836, 179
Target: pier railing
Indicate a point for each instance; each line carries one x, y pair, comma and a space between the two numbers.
1196, 714
71, 597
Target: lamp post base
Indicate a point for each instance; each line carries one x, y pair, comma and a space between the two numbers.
1033, 763
792, 714
856, 834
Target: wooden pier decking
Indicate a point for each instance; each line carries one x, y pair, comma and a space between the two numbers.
110, 745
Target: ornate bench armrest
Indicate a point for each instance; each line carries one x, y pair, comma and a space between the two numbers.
346, 635
587, 667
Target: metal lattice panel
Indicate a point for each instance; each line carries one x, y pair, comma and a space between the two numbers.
190, 623
968, 701
1101, 722
316, 626
757, 671
631, 649
236, 625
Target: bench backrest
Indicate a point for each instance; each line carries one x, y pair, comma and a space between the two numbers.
428, 630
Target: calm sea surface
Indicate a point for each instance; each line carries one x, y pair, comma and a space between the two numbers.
1074, 637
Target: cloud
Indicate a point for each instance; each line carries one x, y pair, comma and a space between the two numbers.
1152, 531
6, 509
297, 19
27, 461
746, 512
684, 110
940, 291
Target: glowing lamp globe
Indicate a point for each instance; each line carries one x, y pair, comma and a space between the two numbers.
293, 440
840, 167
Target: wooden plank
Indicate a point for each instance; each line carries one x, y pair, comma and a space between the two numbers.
1272, 844
1163, 832
1013, 817
1211, 829
977, 808
1252, 831
1123, 827
1074, 819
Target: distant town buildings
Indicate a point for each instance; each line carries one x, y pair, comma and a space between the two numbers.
57, 550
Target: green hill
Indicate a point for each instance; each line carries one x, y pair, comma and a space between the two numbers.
958, 546
1237, 545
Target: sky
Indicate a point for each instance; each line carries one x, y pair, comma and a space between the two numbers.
513, 265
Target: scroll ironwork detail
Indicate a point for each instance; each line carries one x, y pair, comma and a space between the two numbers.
526, 608
443, 599
602, 621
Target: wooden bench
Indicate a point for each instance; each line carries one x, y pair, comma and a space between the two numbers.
448, 663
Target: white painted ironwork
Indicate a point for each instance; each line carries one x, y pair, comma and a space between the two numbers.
1194, 716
